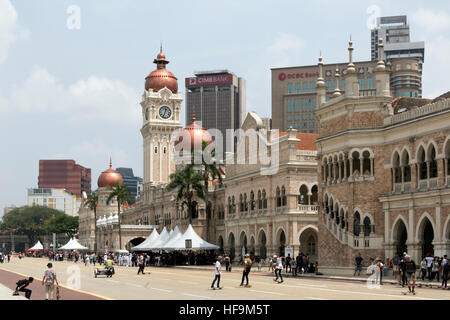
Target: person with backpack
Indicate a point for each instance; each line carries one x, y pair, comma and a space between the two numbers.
22, 285
246, 271
49, 280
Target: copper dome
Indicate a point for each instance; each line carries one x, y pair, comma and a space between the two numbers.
197, 133
109, 177
161, 77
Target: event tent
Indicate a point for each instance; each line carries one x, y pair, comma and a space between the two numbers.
151, 239
169, 245
192, 241
36, 247
72, 245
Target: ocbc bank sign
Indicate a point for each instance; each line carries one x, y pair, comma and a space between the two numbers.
283, 76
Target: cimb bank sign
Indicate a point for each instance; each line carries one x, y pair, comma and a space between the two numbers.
209, 80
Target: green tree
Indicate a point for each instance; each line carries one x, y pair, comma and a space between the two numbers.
62, 224
188, 183
29, 221
210, 171
92, 203
122, 195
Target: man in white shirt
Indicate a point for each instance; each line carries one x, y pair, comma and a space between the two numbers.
218, 272
279, 267
430, 260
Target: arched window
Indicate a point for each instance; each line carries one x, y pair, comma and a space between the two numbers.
264, 199
245, 203
397, 169
406, 167
342, 219
326, 170
278, 197
356, 163
357, 224
367, 227
241, 203
147, 114
259, 200
303, 197
331, 209
336, 210
325, 205
233, 204
283, 196
366, 163
422, 164
433, 162
314, 198
230, 206
252, 201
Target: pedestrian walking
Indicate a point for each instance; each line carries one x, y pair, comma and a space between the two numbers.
278, 268
423, 269
21, 286
403, 272
288, 263
218, 273
227, 262
246, 271
294, 267
141, 264
48, 281
379, 271
410, 268
358, 264
430, 260
435, 269
445, 274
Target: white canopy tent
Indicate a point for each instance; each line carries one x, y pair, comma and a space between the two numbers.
151, 239
192, 241
169, 245
73, 245
37, 246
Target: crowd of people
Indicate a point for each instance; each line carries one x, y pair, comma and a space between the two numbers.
405, 270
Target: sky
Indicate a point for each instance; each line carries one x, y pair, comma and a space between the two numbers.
70, 88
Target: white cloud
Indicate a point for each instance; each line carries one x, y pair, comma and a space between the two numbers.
92, 99
285, 49
434, 28
9, 28
430, 21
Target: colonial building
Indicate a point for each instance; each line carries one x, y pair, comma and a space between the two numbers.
383, 171
264, 212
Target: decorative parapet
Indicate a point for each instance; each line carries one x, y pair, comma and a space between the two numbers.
418, 112
306, 154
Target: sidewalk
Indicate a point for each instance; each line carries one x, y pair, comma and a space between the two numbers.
6, 294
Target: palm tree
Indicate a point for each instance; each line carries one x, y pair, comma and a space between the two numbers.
122, 195
209, 171
92, 203
188, 182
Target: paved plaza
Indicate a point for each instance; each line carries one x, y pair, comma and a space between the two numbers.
191, 284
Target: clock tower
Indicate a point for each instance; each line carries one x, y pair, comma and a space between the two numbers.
160, 104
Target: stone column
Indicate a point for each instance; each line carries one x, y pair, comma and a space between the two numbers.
414, 176
371, 167
441, 171
350, 160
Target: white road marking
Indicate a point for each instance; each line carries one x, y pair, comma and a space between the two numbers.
314, 298
270, 292
164, 290
115, 281
134, 285
195, 295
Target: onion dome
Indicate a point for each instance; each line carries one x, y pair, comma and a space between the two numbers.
161, 77
110, 218
115, 219
109, 177
197, 133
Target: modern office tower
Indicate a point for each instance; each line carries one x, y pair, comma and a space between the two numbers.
217, 99
65, 174
395, 33
130, 181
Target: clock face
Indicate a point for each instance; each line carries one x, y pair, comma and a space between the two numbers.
165, 112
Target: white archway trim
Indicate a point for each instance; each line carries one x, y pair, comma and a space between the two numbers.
394, 226
446, 235
309, 226
420, 222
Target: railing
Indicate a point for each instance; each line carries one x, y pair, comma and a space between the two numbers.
306, 155
308, 208
433, 182
368, 93
420, 111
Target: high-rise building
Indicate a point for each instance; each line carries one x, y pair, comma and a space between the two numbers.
395, 33
130, 181
54, 198
217, 99
65, 174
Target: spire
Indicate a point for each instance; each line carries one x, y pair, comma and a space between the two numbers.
380, 64
336, 92
160, 48
110, 162
351, 66
193, 114
320, 80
